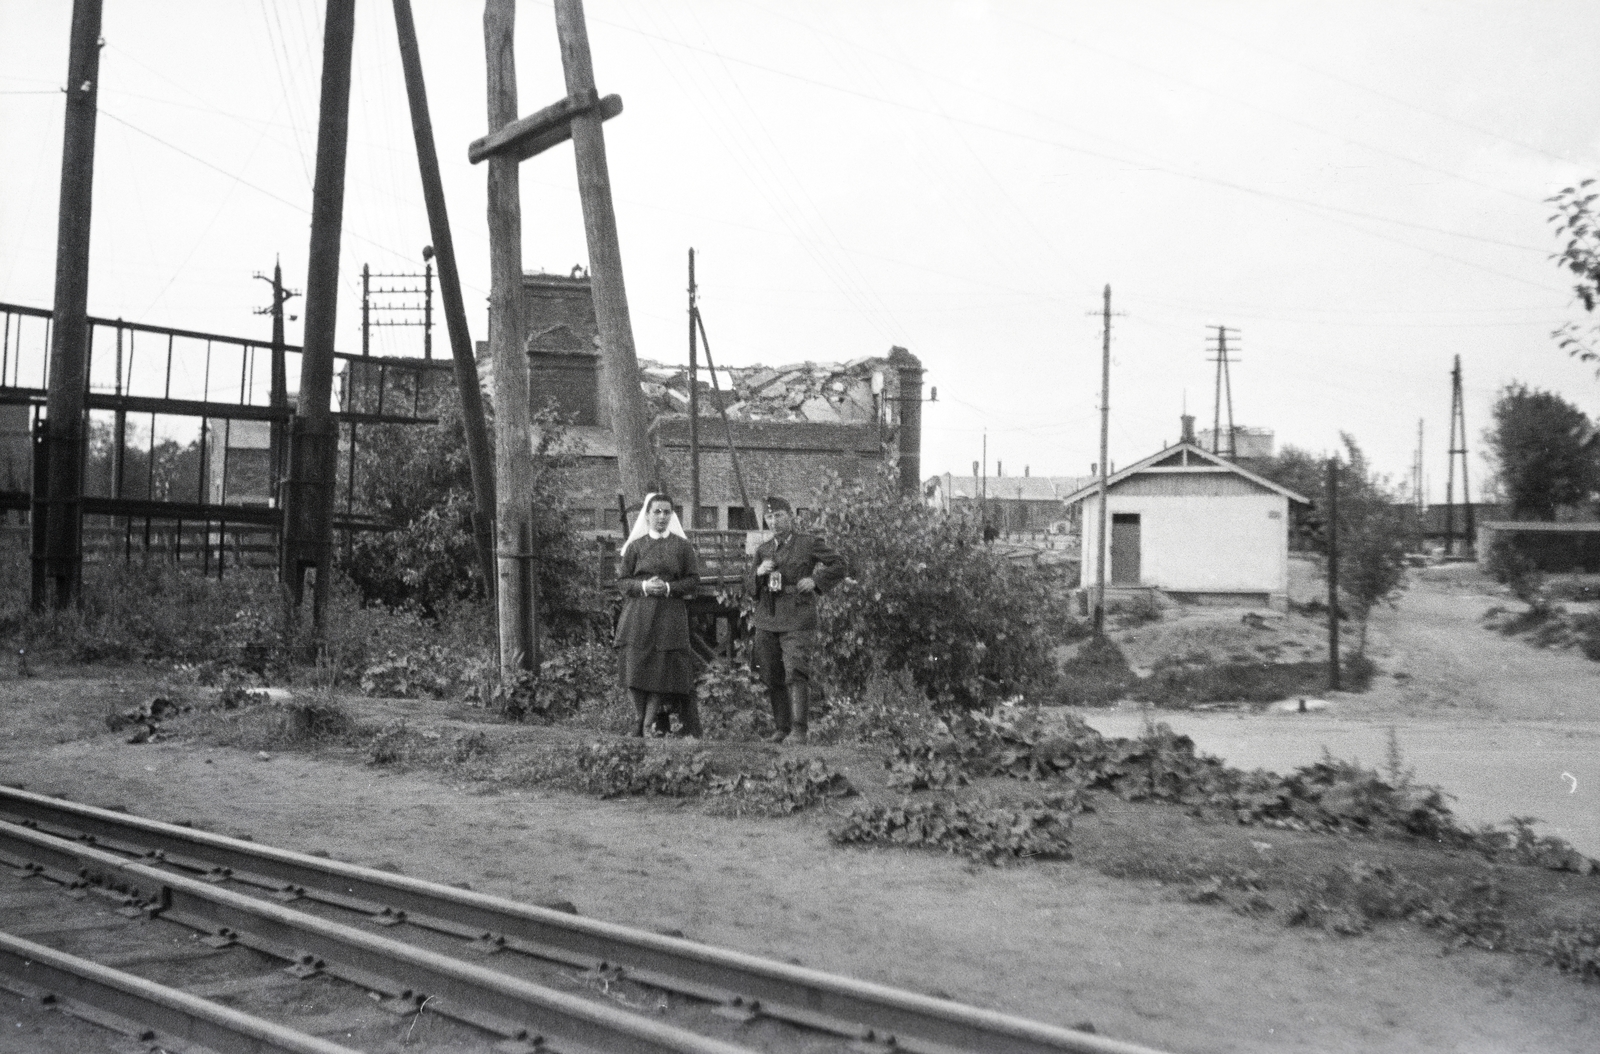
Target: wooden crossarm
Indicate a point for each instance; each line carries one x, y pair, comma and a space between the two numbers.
538, 132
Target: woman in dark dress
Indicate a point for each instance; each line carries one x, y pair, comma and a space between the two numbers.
659, 574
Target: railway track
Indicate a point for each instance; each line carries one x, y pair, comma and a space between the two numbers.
181, 936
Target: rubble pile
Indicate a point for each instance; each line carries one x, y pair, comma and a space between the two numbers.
835, 393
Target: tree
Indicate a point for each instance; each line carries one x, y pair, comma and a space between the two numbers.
1545, 451
417, 477
1372, 539
1304, 473
1575, 220
1372, 525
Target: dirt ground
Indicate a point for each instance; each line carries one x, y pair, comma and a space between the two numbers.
1057, 941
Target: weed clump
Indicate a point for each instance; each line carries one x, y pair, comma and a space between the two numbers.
788, 786
1350, 898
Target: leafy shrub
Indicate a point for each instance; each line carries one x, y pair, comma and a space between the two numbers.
1164, 766
925, 596
612, 770
1035, 829
431, 673
733, 704
890, 708
789, 785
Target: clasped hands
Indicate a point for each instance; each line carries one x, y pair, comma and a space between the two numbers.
655, 586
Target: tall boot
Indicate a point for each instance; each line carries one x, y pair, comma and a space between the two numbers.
689, 715
641, 701
780, 710
799, 703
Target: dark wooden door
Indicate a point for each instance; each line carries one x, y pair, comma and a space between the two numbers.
1124, 548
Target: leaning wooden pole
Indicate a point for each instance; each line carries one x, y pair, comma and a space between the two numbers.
58, 497
512, 419
480, 453
314, 436
620, 365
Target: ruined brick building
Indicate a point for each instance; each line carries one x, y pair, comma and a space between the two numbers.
789, 425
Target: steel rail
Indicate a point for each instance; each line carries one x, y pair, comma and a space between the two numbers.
755, 985
126, 1001
459, 989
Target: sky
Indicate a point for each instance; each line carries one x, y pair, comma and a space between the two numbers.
1357, 188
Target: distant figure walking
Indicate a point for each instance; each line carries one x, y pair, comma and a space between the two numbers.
788, 574
659, 575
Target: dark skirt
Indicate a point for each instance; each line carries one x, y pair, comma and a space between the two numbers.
652, 670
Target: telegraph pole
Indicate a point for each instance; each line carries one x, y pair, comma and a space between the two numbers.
313, 438
279, 396
694, 404
480, 453
1101, 548
1458, 447
1419, 499
620, 372
513, 423
57, 513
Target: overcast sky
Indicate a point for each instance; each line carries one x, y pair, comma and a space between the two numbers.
1358, 187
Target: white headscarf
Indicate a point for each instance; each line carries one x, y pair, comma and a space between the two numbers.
641, 524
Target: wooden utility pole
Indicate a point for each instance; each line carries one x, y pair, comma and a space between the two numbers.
1101, 546
694, 404
620, 366
480, 452
519, 645
1333, 574
314, 437
1458, 435
57, 514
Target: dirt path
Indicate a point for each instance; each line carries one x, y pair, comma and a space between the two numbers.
1456, 667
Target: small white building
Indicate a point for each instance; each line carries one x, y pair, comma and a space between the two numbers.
1193, 525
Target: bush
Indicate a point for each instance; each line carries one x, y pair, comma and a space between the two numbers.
925, 596
789, 785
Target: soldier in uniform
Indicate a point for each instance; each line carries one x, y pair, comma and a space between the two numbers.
787, 575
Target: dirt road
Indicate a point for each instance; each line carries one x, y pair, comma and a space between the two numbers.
1507, 728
